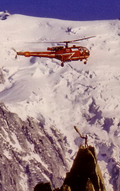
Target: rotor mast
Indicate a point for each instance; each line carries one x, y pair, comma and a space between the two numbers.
66, 46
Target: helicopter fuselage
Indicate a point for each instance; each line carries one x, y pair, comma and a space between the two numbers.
61, 53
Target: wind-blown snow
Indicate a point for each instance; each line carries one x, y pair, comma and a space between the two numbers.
87, 96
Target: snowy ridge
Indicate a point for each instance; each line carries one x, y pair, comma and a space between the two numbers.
83, 95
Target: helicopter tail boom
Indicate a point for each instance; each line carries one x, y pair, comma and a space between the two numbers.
36, 54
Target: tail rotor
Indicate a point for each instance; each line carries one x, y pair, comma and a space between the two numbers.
15, 52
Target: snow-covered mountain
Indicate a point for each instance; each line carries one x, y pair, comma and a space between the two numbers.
57, 98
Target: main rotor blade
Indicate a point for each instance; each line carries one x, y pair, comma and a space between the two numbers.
66, 41
85, 38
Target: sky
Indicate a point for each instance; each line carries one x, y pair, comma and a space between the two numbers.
64, 9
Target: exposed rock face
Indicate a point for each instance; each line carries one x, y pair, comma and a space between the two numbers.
4, 15
29, 154
2, 79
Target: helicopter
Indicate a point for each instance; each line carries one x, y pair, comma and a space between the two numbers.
63, 53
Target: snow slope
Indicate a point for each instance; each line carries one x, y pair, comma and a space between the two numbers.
87, 96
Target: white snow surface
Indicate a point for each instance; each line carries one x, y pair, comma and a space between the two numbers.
86, 96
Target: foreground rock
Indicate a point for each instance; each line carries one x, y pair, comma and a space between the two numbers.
85, 174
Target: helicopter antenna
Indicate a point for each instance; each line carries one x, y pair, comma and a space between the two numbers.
86, 145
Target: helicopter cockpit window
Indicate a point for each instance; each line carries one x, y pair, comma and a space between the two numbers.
74, 49
82, 49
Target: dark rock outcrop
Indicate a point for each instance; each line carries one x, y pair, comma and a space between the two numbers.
85, 174
4, 15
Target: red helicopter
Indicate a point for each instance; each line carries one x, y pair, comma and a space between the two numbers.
62, 53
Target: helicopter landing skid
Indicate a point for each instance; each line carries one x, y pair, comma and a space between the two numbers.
85, 62
62, 64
